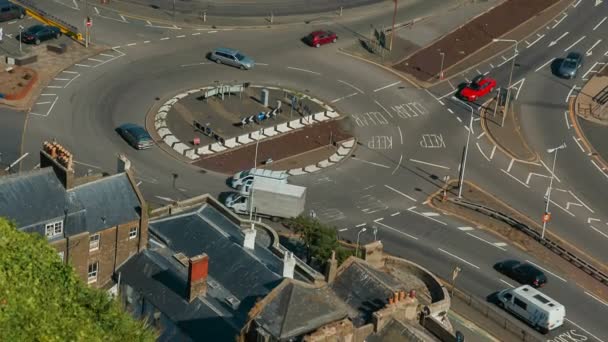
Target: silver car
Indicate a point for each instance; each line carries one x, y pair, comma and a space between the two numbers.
231, 57
570, 65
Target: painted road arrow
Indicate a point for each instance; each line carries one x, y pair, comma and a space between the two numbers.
589, 52
558, 39
598, 2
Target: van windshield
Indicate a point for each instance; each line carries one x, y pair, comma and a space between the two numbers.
240, 57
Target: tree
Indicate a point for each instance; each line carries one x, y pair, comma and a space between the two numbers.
319, 239
42, 299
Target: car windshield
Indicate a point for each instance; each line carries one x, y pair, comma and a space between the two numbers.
570, 63
240, 57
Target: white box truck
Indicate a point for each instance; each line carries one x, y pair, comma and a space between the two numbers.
246, 177
534, 307
269, 198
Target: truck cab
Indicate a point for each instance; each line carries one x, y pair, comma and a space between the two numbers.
245, 178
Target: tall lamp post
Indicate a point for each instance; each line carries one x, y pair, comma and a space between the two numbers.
357, 247
466, 151
441, 68
551, 150
255, 165
390, 46
516, 52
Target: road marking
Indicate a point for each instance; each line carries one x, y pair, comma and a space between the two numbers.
599, 168
430, 164
400, 193
570, 93
573, 44
501, 244
69, 72
450, 110
558, 39
544, 65
130, 44
592, 219
83, 65
590, 334
560, 20
96, 10
510, 164
123, 18
360, 225
398, 164
506, 60
553, 274
591, 70
343, 229
75, 4
510, 175
480, 151
352, 86
459, 258
486, 241
430, 213
481, 135
459, 119
395, 214
511, 286
214, 31
343, 97
599, 231
386, 111
304, 70
577, 3
164, 38
41, 103
139, 183
411, 209
590, 52
535, 41
62, 79
193, 64
466, 229
386, 86
372, 163
48, 94
52, 86
196, 34
600, 23
400, 135
181, 36
492, 153
146, 41
567, 122
396, 230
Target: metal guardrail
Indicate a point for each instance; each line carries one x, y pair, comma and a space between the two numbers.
575, 260
42, 16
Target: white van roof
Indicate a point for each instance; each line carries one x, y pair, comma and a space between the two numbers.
265, 173
538, 298
272, 185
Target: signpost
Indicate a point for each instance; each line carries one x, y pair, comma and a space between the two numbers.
87, 35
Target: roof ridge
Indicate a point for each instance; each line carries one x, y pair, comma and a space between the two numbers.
287, 310
104, 178
20, 174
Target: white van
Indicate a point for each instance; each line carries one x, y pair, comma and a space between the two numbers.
246, 177
534, 307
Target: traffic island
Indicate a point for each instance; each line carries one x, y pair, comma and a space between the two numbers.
504, 130
16, 82
489, 213
220, 127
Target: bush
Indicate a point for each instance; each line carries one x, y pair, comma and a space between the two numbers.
319, 239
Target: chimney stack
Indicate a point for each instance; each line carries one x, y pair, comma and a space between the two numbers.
289, 265
198, 269
61, 160
249, 242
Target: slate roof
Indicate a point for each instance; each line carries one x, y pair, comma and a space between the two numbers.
364, 289
398, 331
37, 197
298, 309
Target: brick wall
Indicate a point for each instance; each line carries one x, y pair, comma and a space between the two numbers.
78, 253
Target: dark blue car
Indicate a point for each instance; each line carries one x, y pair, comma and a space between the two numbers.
39, 33
135, 135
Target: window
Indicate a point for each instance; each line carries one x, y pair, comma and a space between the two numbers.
53, 229
520, 303
61, 255
94, 242
132, 233
93, 272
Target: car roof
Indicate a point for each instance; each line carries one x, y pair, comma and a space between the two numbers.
574, 55
227, 50
530, 269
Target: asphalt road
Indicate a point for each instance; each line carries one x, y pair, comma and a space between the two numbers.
12, 123
409, 139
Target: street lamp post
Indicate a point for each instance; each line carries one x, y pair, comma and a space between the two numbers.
255, 165
466, 152
390, 47
357, 247
551, 150
441, 68
20, 30
516, 52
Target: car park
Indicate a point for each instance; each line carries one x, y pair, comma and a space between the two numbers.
231, 57
10, 11
477, 88
136, 136
318, 38
39, 33
570, 65
524, 273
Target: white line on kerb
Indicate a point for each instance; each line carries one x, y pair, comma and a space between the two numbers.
486, 241
400, 193
352, 86
386, 86
396, 230
430, 164
567, 122
579, 144
459, 258
411, 209
555, 275
304, 70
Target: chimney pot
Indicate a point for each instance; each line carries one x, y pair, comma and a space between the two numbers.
412, 293
396, 297
401, 295
390, 300
198, 270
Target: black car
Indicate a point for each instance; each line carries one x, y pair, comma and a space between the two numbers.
570, 65
9, 11
38, 33
136, 136
524, 273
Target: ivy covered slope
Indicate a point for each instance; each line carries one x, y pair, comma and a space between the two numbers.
41, 299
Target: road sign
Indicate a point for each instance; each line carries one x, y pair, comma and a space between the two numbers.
546, 217
89, 22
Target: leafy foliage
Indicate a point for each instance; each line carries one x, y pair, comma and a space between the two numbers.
320, 240
42, 299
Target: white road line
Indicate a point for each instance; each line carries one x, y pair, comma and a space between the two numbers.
181, 36
480, 151
544, 65
343, 229
193, 64
95, 60
196, 34
343, 97
48, 94
590, 70
589, 52
411, 209
41, 103
578, 143
459, 258
450, 110
481, 135
430, 164
535, 41
62, 79
553, 274
131, 44
510, 175
304, 70
69, 72
510, 164
492, 153
387, 112
599, 168
557, 22
123, 18
599, 231
386, 86
562, 208
395, 214
558, 39
401, 193
75, 4
486, 241
507, 60
146, 41
511, 286
398, 165
590, 334
116, 47
139, 183
466, 229
573, 44
400, 135
372, 163
600, 23
214, 31
459, 119
430, 213
360, 225
500, 244
570, 93
396, 230
96, 10
105, 54
51, 86
577, 3
567, 122
164, 38
352, 86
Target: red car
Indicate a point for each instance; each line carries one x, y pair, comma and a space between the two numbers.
479, 87
318, 38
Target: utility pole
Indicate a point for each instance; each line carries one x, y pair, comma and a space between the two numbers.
547, 215
390, 47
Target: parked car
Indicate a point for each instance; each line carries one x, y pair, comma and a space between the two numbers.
39, 33
570, 65
318, 38
524, 273
10, 11
135, 135
231, 57
478, 87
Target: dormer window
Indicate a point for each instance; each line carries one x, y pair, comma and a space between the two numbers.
53, 229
